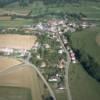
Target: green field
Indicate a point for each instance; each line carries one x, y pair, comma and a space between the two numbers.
15, 23
86, 40
83, 87
90, 9
15, 93
61, 95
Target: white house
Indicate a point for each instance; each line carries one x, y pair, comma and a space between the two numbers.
53, 79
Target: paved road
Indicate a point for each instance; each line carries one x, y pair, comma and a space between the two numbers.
41, 76
12, 69
66, 67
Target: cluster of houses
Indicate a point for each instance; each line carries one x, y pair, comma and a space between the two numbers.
12, 51
71, 52
18, 45
51, 26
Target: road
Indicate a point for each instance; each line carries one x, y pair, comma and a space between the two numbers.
66, 67
41, 76
12, 69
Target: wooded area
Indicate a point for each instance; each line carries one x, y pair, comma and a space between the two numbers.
46, 2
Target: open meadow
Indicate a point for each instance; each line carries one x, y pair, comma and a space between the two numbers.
82, 85
86, 40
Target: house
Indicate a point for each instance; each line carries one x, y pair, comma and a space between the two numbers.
62, 63
53, 29
16, 43
74, 61
61, 86
72, 55
60, 51
43, 65
38, 57
61, 22
47, 46
84, 25
53, 79
66, 29
12, 29
72, 29
52, 22
7, 51
40, 26
68, 48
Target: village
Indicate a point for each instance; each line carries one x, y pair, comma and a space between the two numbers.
46, 51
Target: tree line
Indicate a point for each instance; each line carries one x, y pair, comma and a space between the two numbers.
46, 2
87, 61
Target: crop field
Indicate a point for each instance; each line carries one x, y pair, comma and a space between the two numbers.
83, 87
5, 63
15, 23
21, 76
17, 41
14, 93
5, 18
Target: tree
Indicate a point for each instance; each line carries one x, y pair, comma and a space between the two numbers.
49, 98
23, 3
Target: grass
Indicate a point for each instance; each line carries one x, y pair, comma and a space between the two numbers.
15, 93
15, 23
61, 96
82, 86
86, 40
90, 9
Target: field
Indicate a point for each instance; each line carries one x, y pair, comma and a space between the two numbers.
17, 77
6, 63
5, 18
86, 40
98, 39
15, 93
90, 9
17, 41
82, 86
15, 23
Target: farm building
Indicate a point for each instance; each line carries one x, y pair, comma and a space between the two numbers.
19, 43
